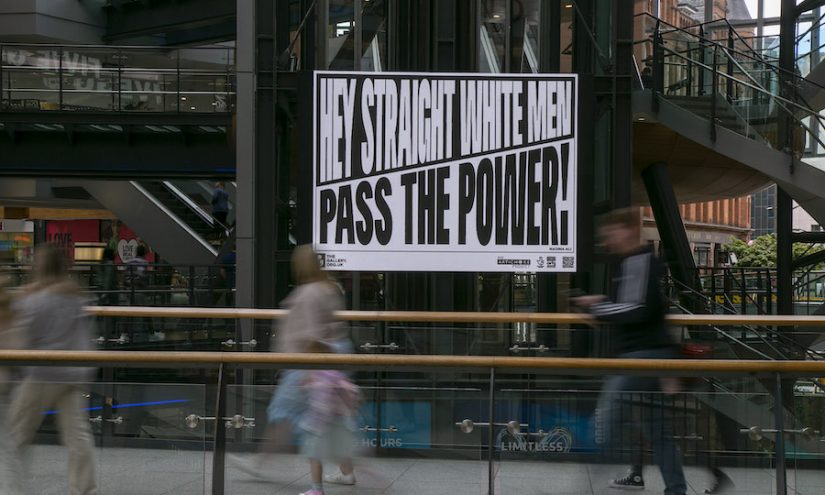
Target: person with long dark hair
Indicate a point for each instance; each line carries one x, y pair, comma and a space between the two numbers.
51, 316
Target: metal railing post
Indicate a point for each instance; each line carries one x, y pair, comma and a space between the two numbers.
177, 80
192, 286
760, 297
658, 68
491, 437
2, 84
730, 66
779, 441
227, 83
689, 83
131, 284
704, 57
219, 441
714, 91
744, 292
119, 80
60, 78
713, 290
658, 61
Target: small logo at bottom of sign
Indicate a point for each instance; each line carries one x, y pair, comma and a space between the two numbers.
558, 440
331, 261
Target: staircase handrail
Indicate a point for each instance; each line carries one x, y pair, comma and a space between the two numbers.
781, 102
755, 329
757, 57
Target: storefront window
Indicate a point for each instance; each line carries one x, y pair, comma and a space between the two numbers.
16, 241
16, 247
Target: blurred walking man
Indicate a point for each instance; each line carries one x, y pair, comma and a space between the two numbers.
637, 310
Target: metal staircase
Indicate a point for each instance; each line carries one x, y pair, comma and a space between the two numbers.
726, 102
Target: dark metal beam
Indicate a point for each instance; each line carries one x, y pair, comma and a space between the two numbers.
141, 19
809, 259
550, 36
784, 253
671, 230
809, 237
784, 221
116, 155
622, 162
266, 156
550, 61
808, 5
219, 31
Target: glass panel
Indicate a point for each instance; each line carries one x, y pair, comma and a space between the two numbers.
806, 441
129, 79
139, 436
404, 427
506, 339
593, 437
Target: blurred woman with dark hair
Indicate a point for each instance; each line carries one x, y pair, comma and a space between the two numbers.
51, 317
9, 339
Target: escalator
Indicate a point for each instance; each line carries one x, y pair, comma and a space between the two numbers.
180, 206
176, 224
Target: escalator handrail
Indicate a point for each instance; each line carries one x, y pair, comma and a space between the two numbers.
174, 217
183, 198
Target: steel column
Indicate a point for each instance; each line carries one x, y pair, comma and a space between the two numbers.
219, 441
491, 437
784, 252
671, 230
622, 160
779, 440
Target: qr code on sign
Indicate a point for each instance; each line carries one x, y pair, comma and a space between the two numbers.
567, 262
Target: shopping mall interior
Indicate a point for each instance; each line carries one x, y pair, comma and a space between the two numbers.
177, 152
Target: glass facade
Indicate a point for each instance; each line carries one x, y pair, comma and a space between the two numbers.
763, 212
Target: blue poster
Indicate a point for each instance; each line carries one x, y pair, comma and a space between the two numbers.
404, 425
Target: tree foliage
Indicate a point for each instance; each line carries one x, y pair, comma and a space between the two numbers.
761, 252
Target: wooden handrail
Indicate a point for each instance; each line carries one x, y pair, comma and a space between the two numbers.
175, 359
447, 317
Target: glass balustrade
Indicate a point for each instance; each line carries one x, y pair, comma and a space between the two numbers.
120, 79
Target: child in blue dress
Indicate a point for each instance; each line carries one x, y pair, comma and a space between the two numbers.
328, 427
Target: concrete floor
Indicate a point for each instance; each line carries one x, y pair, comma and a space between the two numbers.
160, 472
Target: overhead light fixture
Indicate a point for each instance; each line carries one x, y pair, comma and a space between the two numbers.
191, 108
182, 98
496, 16
568, 6
641, 119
